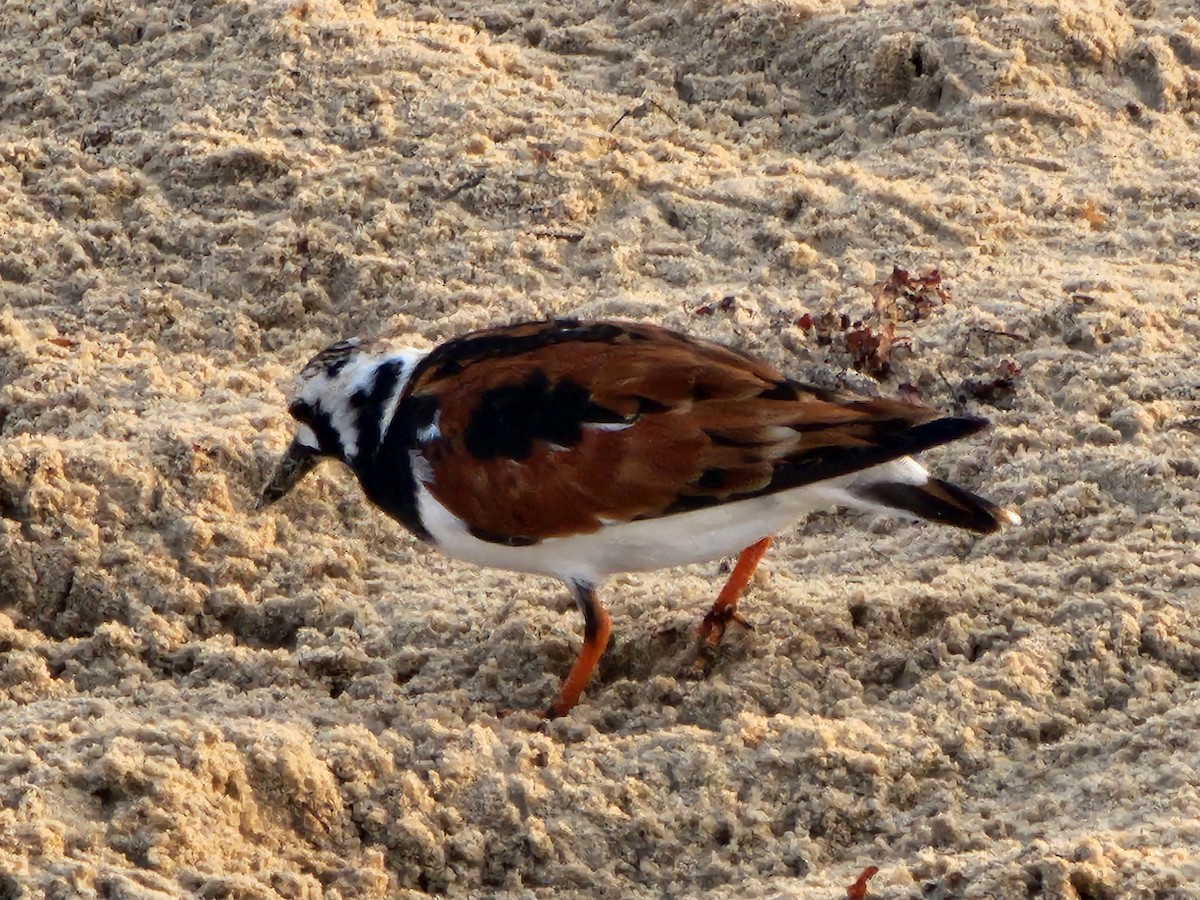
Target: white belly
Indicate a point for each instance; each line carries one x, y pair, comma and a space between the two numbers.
639, 546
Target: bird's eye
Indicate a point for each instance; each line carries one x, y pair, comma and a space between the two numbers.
300, 411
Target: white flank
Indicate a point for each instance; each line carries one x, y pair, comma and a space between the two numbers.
651, 544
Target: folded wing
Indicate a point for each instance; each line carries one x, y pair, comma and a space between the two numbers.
556, 428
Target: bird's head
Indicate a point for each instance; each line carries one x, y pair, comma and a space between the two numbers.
344, 401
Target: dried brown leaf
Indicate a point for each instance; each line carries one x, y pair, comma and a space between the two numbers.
909, 298
995, 388
871, 349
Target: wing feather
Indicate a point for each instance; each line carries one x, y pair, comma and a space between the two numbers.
557, 428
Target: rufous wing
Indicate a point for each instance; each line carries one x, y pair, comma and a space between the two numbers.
557, 428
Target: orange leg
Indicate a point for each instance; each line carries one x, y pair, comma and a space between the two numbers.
724, 610
597, 624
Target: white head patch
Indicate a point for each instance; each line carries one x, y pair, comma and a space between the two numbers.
350, 387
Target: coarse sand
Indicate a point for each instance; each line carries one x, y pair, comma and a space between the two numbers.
198, 699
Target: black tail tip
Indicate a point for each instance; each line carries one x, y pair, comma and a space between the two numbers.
942, 502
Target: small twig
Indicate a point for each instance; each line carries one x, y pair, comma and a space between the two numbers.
573, 237
955, 396
637, 112
1006, 334
945, 380
989, 333
465, 185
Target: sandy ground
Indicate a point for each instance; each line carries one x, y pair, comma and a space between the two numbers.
196, 698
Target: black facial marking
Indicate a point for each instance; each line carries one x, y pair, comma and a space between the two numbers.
507, 420
370, 404
329, 441
300, 411
385, 472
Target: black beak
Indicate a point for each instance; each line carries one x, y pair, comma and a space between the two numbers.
297, 461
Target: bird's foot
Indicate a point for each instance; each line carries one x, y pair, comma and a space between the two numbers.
711, 631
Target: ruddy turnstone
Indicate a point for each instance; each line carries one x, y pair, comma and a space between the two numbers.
582, 449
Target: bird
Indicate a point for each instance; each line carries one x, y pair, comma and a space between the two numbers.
582, 449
